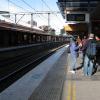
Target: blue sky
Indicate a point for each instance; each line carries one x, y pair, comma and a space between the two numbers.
15, 6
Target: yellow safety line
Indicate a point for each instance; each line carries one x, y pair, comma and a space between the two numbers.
71, 91
74, 91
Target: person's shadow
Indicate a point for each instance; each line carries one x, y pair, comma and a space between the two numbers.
78, 68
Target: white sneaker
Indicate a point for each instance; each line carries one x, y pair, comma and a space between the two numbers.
73, 72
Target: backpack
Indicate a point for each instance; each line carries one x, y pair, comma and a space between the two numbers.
91, 49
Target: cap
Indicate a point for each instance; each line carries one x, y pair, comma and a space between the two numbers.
91, 35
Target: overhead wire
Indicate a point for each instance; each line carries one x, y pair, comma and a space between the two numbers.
26, 9
31, 7
18, 6
50, 9
46, 5
28, 5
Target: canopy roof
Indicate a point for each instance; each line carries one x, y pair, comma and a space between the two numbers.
77, 6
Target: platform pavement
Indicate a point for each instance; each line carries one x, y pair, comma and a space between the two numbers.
25, 86
76, 86
79, 87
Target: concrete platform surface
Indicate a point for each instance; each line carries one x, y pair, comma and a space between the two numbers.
23, 88
79, 87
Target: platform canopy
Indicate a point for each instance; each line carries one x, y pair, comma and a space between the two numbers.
77, 6
81, 12
79, 27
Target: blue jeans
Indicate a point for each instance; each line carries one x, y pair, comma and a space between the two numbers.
88, 66
73, 62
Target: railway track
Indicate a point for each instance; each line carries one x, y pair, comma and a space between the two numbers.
16, 63
14, 70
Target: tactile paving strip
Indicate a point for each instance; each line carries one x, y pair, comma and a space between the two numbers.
51, 87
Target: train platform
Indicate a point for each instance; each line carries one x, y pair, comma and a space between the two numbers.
52, 80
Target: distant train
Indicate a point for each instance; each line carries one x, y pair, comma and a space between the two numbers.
14, 35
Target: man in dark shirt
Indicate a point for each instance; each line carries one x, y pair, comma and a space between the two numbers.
88, 62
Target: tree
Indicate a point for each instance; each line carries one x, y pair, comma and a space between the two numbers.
47, 29
62, 31
34, 23
44, 27
52, 31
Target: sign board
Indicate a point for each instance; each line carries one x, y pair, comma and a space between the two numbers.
77, 17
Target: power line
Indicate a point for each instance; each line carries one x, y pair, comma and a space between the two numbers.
18, 6
51, 10
23, 8
30, 7
46, 4
34, 8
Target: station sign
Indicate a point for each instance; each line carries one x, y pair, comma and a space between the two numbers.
77, 17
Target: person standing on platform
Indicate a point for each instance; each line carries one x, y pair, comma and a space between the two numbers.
74, 53
83, 49
78, 40
90, 55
